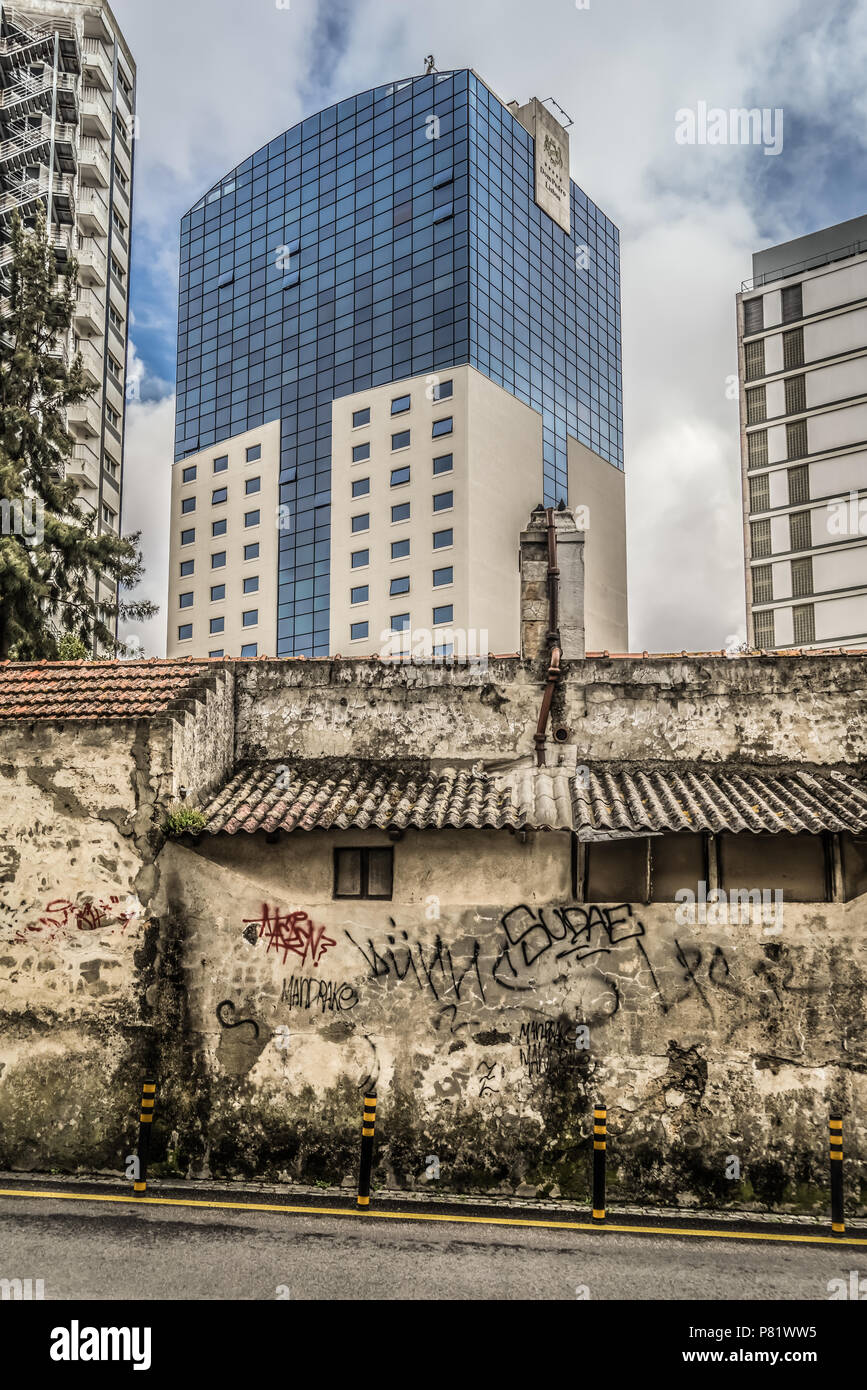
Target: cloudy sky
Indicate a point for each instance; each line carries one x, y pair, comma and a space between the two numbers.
219, 78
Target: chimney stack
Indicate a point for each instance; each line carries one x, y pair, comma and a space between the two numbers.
552, 569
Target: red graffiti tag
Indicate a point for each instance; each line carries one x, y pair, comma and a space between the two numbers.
291, 931
63, 915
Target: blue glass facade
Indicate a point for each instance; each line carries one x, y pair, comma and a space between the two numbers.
372, 243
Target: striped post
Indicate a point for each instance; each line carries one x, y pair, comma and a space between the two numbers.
368, 1124
146, 1117
600, 1131
835, 1127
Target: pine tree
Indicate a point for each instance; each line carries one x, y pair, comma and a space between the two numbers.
50, 548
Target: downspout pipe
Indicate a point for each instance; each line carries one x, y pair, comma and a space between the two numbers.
554, 672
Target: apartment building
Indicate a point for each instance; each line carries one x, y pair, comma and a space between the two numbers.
802, 351
67, 123
409, 288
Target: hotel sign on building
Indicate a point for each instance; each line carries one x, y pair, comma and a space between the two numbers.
551, 160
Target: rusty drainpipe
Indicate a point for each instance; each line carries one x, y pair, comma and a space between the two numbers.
553, 638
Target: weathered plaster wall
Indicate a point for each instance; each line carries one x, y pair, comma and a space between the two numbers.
461, 1000
715, 709
76, 875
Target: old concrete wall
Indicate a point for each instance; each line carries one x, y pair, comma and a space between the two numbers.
461, 999
769, 709
75, 879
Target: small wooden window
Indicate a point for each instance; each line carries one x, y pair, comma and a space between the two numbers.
363, 873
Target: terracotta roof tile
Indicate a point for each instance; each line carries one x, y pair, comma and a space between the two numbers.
623, 800
92, 690
359, 796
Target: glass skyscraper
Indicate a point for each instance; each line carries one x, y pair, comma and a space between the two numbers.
392, 235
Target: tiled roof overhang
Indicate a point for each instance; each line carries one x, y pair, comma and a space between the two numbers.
359, 796
621, 801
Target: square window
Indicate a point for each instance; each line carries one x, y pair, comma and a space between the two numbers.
804, 623
218, 560
218, 652
360, 417
400, 512
251, 518
360, 595
253, 485
218, 528
250, 618
254, 452
443, 538
361, 488
218, 495
188, 505
444, 614
399, 476
400, 622
187, 567
443, 501
443, 464
185, 632
399, 586
399, 549
357, 631
361, 522
221, 464
360, 558
250, 649
251, 552
363, 873
189, 474
251, 584
217, 625
754, 315
441, 427
187, 537
218, 591
400, 405
444, 391
186, 600
443, 576
360, 452
401, 440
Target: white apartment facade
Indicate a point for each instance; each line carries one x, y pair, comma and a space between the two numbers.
802, 352
67, 127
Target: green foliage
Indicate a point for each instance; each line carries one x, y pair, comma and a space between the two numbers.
47, 577
71, 648
183, 820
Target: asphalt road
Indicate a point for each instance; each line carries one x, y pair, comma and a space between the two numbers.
88, 1250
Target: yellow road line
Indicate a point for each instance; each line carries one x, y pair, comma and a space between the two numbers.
138, 1202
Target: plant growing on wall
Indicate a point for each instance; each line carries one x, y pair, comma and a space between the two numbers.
52, 551
183, 820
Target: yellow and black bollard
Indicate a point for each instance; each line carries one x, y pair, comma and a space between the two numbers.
146, 1117
600, 1131
835, 1126
368, 1124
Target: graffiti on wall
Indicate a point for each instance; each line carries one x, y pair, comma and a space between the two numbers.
289, 932
62, 919
329, 996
